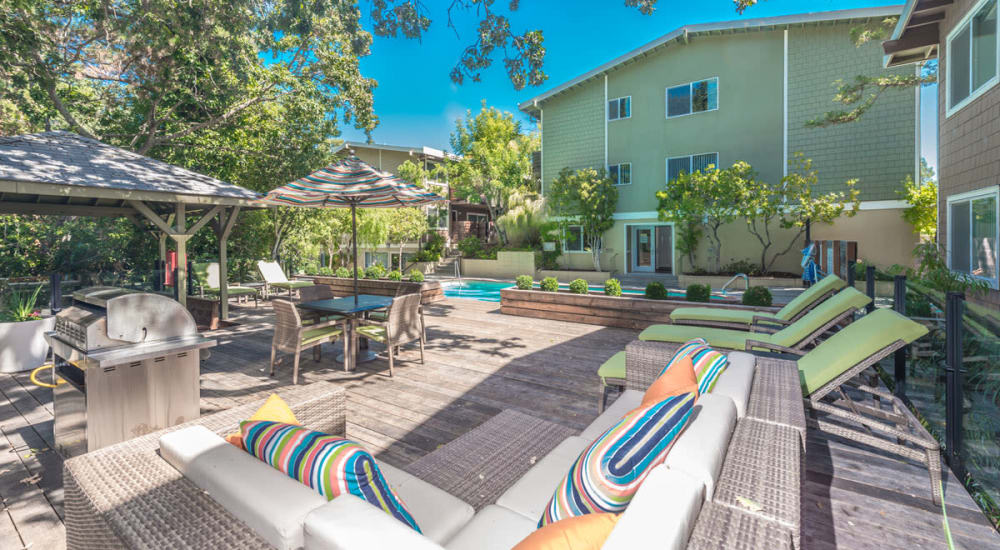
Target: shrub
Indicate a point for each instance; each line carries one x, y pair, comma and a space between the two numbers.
394, 275
656, 291
375, 271
432, 250
548, 260
343, 273
325, 271
579, 286
746, 267
470, 247
416, 276
757, 296
698, 293
550, 284
524, 282
613, 287
311, 267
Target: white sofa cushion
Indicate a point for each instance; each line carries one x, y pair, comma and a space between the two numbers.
736, 381
349, 523
273, 504
493, 528
701, 448
628, 400
532, 492
662, 513
438, 514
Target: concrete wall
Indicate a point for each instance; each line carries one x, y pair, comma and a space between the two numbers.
508, 265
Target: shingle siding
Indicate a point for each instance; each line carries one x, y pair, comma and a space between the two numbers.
573, 130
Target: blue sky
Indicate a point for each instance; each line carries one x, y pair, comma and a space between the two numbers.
417, 103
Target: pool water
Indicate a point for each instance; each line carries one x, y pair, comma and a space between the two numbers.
489, 291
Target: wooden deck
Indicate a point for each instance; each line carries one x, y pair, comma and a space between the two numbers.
478, 363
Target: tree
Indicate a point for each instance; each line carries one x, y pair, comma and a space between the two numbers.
712, 198
495, 160
587, 198
923, 201
792, 205
406, 225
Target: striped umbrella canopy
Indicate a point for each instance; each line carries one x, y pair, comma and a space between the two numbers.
350, 183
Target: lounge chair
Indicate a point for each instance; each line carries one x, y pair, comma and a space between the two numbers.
405, 324
274, 276
742, 318
796, 336
207, 278
293, 336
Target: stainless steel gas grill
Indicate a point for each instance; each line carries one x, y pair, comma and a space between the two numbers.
126, 364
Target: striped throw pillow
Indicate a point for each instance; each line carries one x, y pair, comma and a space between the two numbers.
608, 473
708, 363
329, 464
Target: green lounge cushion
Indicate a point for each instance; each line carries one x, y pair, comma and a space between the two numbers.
233, 290
716, 337
312, 335
613, 368
853, 344
810, 295
292, 284
374, 332
743, 316
845, 300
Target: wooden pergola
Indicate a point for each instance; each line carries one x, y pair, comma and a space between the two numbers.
64, 174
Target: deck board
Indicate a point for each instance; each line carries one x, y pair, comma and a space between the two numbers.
479, 362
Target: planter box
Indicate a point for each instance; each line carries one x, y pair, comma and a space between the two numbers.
598, 309
23, 346
565, 276
508, 265
430, 290
716, 281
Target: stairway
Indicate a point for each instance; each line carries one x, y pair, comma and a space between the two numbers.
445, 267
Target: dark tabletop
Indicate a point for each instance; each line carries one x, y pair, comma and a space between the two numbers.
347, 305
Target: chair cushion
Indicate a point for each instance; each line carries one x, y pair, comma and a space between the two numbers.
577, 533
717, 314
809, 296
312, 335
608, 472
374, 332
493, 528
233, 290
846, 300
737, 380
275, 410
529, 495
273, 505
613, 368
708, 363
679, 378
716, 337
329, 464
701, 448
663, 510
627, 401
439, 514
291, 284
349, 523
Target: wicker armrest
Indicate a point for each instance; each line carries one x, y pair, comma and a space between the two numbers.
760, 319
751, 344
644, 361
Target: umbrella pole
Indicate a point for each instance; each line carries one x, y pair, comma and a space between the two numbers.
354, 247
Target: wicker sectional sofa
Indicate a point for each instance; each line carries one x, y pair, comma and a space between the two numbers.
731, 480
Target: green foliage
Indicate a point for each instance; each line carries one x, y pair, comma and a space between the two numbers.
394, 275
579, 286
524, 282
923, 201
757, 296
470, 247
549, 284
328, 272
613, 287
432, 249
656, 291
688, 236
408, 225
742, 266
20, 306
934, 273
343, 273
698, 293
588, 198
375, 271
524, 220
918, 305
416, 276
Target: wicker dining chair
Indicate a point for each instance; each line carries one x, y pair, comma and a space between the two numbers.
312, 294
292, 336
405, 324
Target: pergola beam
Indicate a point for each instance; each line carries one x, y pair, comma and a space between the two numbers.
45, 209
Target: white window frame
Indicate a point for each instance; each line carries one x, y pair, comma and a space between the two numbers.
666, 98
479, 218
984, 193
619, 178
583, 243
447, 220
966, 23
666, 163
607, 113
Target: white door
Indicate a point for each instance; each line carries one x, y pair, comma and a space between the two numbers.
643, 251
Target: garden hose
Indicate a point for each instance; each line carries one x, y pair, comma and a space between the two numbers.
34, 377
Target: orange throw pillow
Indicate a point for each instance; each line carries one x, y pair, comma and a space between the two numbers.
586, 532
273, 410
679, 378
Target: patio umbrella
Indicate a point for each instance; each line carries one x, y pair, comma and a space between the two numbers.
350, 183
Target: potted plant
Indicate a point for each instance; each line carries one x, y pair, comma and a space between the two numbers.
22, 332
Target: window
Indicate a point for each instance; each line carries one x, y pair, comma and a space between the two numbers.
372, 258
695, 97
621, 174
437, 217
620, 108
973, 237
478, 218
972, 56
689, 164
574, 239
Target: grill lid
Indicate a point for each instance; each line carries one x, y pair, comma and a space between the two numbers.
99, 295
141, 317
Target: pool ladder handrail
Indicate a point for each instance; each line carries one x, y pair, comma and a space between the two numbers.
743, 276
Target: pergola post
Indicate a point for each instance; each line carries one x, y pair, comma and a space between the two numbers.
181, 238
227, 218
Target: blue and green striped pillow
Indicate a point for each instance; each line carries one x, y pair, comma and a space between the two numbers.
708, 363
329, 464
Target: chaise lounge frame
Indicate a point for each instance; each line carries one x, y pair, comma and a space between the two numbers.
758, 320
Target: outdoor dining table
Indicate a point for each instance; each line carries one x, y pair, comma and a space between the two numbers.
351, 309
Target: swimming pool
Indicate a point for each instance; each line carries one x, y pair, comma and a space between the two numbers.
489, 291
